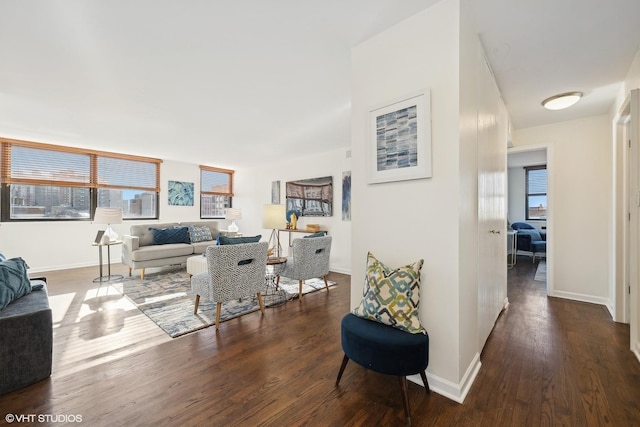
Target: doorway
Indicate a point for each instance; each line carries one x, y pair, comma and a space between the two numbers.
518, 159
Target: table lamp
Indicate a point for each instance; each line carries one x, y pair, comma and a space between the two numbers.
108, 216
233, 214
274, 218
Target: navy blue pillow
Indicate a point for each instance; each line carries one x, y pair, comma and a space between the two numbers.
316, 234
224, 240
166, 236
14, 281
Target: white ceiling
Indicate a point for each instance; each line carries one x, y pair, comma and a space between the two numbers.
232, 83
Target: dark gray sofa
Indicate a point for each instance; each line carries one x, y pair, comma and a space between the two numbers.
26, 340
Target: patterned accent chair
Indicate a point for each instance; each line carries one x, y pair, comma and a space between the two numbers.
234, 272
310, 259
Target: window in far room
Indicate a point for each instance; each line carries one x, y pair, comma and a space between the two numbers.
216, 191
536, 192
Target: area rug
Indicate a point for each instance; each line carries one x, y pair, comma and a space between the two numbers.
167, 300
541, 272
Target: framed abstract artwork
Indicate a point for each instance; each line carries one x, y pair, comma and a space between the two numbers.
399, 145
275, 192
180, 193
346, 196
310, 197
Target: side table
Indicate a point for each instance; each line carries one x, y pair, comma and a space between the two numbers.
273, 296
512, 247
109, 276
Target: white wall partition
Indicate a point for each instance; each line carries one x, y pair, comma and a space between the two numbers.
434, 219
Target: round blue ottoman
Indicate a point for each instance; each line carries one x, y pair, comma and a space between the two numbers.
386, 350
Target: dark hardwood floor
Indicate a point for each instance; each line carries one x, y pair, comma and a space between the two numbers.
548, 362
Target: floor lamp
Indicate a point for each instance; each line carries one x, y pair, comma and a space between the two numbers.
273, 218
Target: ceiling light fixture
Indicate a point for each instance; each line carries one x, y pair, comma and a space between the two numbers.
562, 101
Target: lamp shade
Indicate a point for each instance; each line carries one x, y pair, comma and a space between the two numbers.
108, 216
233, 213
274, 216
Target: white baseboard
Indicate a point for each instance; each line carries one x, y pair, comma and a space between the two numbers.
582, 298
636, 351
456, 392
340, 270
65, 267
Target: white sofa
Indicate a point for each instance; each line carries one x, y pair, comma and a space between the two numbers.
140, 252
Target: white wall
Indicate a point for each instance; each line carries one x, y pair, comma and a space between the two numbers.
400, 222
253, 191
517, 186
433, 219
631, 82
580, 204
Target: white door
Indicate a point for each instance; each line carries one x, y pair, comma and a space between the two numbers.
492, 199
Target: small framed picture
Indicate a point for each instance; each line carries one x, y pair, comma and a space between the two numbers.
399, 146
99, 235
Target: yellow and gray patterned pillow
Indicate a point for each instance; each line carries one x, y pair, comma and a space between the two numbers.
392, 296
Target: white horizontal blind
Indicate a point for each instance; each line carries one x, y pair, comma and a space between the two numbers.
125, 173
216, 181
41, 166
536, 192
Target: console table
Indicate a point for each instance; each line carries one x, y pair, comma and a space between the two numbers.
296, 230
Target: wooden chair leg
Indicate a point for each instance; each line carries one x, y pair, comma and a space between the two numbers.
423, 375
142, 274
326, 285
405, 394
345, 359
218, 310
260, 302
195, 309
129, 271
300, 292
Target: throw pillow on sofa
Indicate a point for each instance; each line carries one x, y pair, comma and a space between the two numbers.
14, 281
167, 236
199, 233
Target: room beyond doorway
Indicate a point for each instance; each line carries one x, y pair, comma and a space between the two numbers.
527, 201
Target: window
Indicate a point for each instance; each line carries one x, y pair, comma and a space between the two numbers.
129, 184
49, 182
536, 192
216, 191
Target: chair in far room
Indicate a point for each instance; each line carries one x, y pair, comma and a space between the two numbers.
530, 239
310, 259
